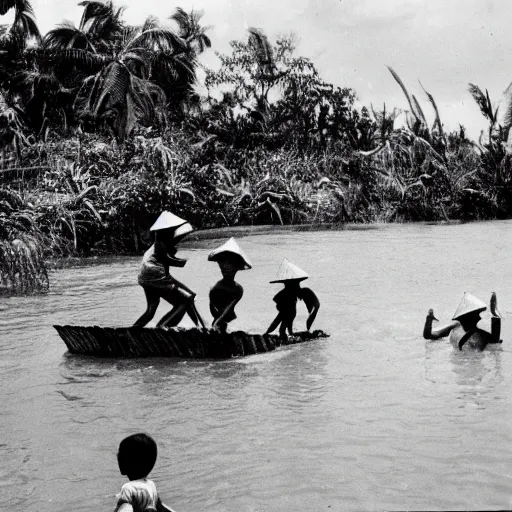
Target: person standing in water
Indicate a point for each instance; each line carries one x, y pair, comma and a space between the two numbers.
226, 293
286, 300
157, 282
463, 329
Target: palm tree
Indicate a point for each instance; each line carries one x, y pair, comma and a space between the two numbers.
124, 89
15, 61
24, 17
176, 73
125, 74
99, 28
14, 39
190, 29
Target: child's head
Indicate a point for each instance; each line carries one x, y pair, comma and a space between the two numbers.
230, 263
136, 456
230, 258
292, 284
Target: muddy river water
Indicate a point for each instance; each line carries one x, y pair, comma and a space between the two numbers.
372, 418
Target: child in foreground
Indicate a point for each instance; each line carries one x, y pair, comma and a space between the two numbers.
136, 458
226, 293
463, 329
286, 300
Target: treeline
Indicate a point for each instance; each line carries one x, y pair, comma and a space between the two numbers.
101, 128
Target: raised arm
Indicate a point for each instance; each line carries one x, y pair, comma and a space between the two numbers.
438, 333
495, 320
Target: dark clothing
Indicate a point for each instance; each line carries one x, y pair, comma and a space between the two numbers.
309, 297
221, 296
286, 302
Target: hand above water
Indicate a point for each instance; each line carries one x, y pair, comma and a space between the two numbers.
430, 315
494, 306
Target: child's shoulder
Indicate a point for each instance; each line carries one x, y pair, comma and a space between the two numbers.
137, 485
227, 287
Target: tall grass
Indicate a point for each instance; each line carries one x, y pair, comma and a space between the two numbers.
22, 266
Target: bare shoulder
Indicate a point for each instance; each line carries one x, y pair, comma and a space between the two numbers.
216, 286
307, 292
239, 289
227, 289
309, 296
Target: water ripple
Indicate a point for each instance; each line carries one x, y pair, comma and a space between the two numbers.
371, 418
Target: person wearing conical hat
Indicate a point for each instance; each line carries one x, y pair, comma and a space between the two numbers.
286, 300
227, 293
154, 276
463, 329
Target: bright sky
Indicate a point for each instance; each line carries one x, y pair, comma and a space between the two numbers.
443, 43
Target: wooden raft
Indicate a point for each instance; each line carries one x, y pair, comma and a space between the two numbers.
175, 342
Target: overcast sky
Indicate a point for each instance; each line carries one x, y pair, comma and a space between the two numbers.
443, 43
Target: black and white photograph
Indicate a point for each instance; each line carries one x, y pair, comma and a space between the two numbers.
255, 256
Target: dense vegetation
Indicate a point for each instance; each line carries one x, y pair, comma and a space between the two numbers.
101, 128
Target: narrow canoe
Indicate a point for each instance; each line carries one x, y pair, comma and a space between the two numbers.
176, 342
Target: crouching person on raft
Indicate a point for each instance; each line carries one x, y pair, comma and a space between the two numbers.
226, 293
157, 282
463, 329
286, 300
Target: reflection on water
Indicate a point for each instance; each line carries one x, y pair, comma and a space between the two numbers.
477, 369
372, 418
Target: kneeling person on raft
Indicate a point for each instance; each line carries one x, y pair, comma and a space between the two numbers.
286, 300
463, 329
157, 282
226, 293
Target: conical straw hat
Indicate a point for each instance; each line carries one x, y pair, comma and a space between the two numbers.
288, 271
167, 220
469, 304
182, 231
232, 247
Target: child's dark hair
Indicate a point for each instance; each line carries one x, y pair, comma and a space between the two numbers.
137, 456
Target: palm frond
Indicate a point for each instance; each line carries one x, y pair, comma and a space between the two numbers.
92, 10
12, 40
182, 19
24, 18
27, 22
158, 39
5, 5
436, 110
66, 36
419, 110
190, 29
406, 93
483, 101
115, 83
505, 109
150, 23
262, 49
79, 58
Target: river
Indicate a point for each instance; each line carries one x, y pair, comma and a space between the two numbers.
372, 418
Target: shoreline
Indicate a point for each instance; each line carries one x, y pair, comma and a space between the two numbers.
195, 239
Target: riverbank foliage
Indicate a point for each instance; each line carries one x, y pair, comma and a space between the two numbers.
102, 127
